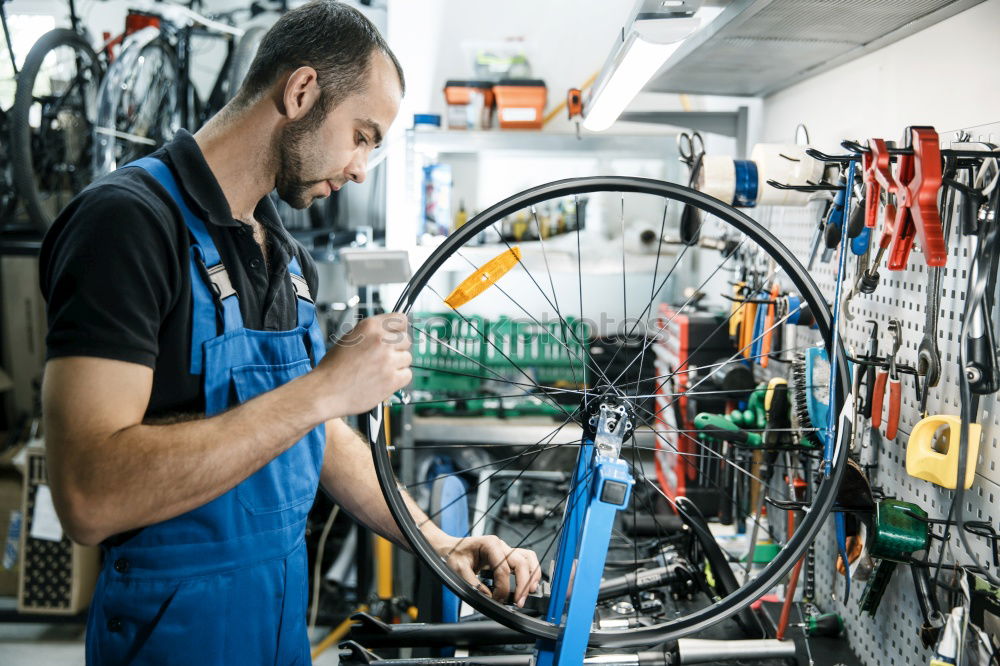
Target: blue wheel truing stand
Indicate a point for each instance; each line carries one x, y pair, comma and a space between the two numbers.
601, 487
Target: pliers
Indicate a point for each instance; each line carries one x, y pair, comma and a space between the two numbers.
890, 376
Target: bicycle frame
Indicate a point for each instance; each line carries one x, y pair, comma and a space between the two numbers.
196, 111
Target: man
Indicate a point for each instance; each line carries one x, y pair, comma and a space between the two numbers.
190, 412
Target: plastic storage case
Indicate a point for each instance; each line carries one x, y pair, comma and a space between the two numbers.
520, 103
470, 104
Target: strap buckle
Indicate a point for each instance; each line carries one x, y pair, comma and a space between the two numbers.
301, 287
221, 284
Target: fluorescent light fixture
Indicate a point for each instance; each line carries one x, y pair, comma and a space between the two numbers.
647, 44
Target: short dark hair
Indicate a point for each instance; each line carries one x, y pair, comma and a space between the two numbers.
333, 38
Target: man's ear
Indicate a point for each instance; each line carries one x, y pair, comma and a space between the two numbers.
301, 93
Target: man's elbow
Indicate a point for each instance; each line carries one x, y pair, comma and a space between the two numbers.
79, 516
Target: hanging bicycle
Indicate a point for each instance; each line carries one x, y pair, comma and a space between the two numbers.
148, 94
51, 120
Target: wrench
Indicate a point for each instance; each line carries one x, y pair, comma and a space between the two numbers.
928, 354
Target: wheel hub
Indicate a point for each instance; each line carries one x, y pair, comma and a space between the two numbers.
610, 421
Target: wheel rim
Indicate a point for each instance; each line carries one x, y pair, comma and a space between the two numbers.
824, 493
138, 107
60, 118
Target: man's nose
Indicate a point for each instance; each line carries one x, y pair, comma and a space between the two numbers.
358, 169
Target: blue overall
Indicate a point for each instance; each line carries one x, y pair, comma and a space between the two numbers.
225, 583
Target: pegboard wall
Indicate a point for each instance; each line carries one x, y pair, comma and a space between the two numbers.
891, 637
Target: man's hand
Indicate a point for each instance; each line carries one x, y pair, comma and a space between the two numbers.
470, 555
367, 366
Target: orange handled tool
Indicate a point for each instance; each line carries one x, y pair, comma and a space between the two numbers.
747, 325
895, 395
877, 397
772, 306
895, 387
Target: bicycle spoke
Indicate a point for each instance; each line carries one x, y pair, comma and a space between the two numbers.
715, 485
677, 373
466, 470
500, 377
541, 443
545, 296
555, 296
562, 322
653, 291
502, 494
681, 308
579, 259
499, 351
658, 289
738, 353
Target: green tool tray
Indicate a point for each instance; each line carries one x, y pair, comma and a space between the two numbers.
550, 352
452, 355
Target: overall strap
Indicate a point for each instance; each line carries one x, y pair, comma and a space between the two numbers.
210, 284
306, 309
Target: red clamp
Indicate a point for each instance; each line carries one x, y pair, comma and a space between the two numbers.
918, 180
878, 175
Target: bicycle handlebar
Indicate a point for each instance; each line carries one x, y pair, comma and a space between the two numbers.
182, 15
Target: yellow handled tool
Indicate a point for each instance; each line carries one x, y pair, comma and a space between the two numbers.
736, 312
484, 278
932, 454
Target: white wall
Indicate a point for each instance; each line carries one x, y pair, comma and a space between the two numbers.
566, 41
945, 76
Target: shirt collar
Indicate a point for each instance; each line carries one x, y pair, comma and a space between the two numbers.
202, 188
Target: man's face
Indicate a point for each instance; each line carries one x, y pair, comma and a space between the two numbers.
314, 161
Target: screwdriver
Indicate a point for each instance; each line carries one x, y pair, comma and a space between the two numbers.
826, 625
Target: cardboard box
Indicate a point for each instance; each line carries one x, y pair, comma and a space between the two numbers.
57, 575
10, 508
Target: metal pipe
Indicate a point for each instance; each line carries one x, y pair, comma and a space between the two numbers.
636, 582
649, 658
699, 651
373, 634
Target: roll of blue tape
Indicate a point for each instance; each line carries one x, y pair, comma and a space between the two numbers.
794, 309
746, 184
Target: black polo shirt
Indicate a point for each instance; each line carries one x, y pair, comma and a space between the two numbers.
114, 270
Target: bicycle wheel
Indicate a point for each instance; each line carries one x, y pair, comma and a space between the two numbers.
545, 360
138, 108
51, 120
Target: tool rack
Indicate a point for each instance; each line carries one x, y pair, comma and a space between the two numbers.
891, 636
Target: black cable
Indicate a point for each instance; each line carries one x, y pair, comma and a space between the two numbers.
975, 297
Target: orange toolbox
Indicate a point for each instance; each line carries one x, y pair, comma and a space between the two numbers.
520, 103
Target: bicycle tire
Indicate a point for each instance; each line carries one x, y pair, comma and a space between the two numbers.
246, 49
25, 140
124, 131
796, 545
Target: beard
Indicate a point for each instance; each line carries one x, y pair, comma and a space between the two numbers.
294, 161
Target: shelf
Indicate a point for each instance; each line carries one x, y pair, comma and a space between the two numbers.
472, 141
489, 430
559, 256
757, 47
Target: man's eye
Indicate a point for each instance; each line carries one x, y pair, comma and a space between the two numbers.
362, 138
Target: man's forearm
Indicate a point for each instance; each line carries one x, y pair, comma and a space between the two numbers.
349, 476
144, 474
